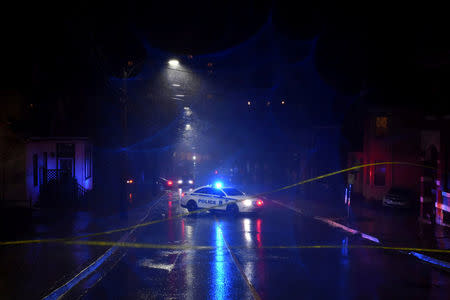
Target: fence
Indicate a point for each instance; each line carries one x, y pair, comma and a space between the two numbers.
58, 186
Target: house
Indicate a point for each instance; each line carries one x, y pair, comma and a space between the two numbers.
442, 177
32, 165
405, 136
393, 136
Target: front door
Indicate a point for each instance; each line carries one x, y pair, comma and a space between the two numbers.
66, 166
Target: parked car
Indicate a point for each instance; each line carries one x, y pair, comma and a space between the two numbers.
398, 197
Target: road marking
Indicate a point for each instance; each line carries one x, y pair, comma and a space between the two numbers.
148, 263
332, 223
370, 238
238, 265
65, 288
337, 225
140, 245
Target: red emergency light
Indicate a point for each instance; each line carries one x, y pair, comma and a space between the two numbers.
170, 182
259, 203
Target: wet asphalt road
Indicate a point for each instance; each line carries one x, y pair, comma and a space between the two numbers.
240, 267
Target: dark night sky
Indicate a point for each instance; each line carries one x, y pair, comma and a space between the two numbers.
69, 51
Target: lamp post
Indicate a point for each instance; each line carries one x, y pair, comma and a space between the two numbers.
127, 71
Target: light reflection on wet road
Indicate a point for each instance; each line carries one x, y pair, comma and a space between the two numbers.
275, 273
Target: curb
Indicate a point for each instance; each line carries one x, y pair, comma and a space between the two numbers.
332, 223
431, 260
66, 287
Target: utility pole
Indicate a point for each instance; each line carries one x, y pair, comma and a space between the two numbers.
127, 70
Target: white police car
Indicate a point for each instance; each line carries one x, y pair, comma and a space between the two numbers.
227, 199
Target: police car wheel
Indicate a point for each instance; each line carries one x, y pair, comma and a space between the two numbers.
232, 209
191, 206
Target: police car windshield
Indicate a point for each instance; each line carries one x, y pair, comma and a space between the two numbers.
233, 192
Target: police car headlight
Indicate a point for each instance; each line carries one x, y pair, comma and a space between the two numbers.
247, 202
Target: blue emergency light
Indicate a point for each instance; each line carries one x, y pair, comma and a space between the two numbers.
218, 185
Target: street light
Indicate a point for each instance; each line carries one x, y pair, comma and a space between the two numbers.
174, 63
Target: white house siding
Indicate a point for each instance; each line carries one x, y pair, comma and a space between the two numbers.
38, 147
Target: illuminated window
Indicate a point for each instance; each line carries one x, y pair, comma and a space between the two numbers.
381, 126
381, 122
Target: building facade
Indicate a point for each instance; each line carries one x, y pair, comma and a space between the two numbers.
389, 137
39, 162
405, 137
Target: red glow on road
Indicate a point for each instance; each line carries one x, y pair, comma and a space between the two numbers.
258, 232
182, 230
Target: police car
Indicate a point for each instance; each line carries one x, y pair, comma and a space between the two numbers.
228, 199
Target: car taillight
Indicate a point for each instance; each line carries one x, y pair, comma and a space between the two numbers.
259, 203
182, 195
169, 182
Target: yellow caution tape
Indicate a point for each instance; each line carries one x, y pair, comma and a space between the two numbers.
207, 209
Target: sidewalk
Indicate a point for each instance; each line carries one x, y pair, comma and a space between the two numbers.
21, 275
393, 227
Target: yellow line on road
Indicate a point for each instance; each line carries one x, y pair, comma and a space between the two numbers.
206, 209
139, 245
207, 247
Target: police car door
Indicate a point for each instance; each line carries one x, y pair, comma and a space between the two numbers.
206, 198
219, 198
